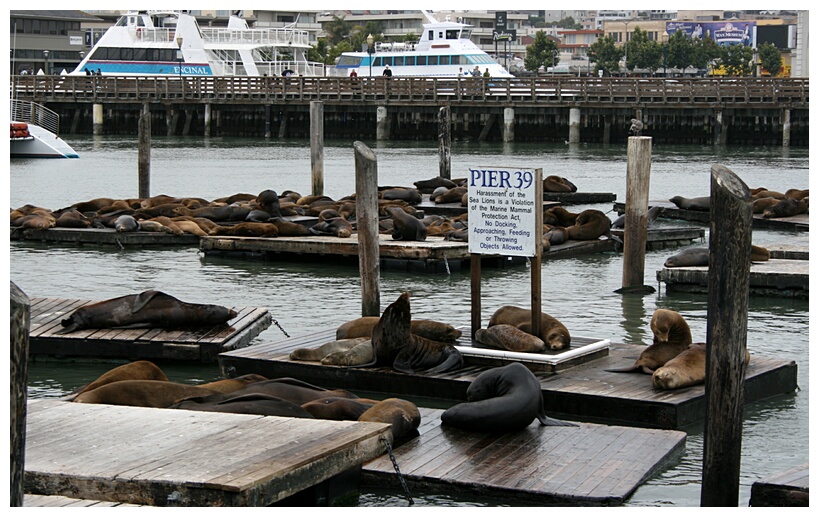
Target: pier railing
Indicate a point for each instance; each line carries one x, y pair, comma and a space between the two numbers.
569, 91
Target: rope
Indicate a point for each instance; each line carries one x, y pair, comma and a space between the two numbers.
388, 447
280, 328
446, 263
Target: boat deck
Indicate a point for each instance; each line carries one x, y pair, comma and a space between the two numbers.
789, 488
200, 344
173, 457
583, 391
669, 210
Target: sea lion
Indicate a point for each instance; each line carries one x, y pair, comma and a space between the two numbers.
395, 345
691, 257
410, 195
402, 415
508, 337
552, 332
786, 208
137, 370
684, 370
501, 400
247, 229
245, 404
338, 408
147, 309
268, 202
169, 223
797, 194
35, 222
335, 226
142, 393
190, 227
406, 227
72, 219
427, 186
555, 235
559, 216
286, 388
651, 217
319, 353
289, 228
702, 203
257, 216
558, 184
764, 202
430, 329
216, 213
360, 354
590, 225
153, 226
671, 337
234, 384
452, 195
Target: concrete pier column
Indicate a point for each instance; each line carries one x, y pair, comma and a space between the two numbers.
268, 120
208, 110
382, 123
574, 125
508, 124
786, 128
607, 129
98, 118
720, 129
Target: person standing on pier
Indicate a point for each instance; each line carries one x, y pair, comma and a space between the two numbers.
387, 71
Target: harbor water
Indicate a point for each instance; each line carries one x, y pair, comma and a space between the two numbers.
305, 296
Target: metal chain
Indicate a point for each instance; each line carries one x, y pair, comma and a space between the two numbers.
280, 328
397, 470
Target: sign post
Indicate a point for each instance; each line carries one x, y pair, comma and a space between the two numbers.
505, 212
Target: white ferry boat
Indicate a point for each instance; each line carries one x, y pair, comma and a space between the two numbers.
34, 131
444, 50
171, 43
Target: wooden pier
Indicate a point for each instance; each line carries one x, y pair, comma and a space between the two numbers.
586, 465
775, 277
103, 237
174, 457
669, 210
668, 237
58, 501
790, 488
200, 345
583, 392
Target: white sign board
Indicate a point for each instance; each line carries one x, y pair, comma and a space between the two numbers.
502, 210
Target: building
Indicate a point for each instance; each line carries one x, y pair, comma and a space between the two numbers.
47, 41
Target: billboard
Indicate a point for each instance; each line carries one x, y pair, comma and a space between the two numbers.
723, 33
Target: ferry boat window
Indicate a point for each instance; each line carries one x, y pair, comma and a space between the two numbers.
432, 60
441, 35
466, 33
139, 54
100, 54
452, 34
349, 61
431, 35
409, 61
459, 60
398, 60
444, 60
126, 54
421, 60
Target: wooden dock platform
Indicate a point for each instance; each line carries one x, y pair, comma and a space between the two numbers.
663, 238
669, 210
579, 198
586, 465
103, 237
790, 488
174, 457
775, 277
58, 501
583, 392
202, 345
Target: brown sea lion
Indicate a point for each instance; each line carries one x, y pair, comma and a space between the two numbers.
797, 194
590, 225
338, 408
151, 308
406, 227
247, 229
671, 337
684, 370
702, 203
397, 347
336, 227
508, 337
166, 210
558, 184
559, 216
402, 415
768, 193
319, 353
410, 195
153, 201
287, 388
552, 332
234, 384
73, 219
289, 228
148, 225
169, 223
137, 370
452, 195
245, 404
501, 400
142, 393
430, 329
785, 208
764, 202
360, 354
190, 227
93, 205
35, 221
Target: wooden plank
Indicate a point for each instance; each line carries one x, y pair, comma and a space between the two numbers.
789, 488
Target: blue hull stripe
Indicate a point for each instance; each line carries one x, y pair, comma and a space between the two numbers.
149, 68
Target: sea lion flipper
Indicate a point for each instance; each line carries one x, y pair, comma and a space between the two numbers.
630, 369
402, 362
545, 420
454, 360
69, 325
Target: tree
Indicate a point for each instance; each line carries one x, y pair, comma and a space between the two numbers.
736, 59
704, 51
542, 52
771, 58
643, 52
679, 51
336, 29
605, 55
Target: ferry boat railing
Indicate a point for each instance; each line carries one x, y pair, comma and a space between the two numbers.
768, 92
259, 37
33, 113
152, 35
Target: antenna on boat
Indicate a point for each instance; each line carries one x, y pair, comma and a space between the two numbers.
429, 16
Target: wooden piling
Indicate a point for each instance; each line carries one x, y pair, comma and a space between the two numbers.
729, 264
144, 152
366, 208
20, 322
786, 128
635, 231
317, 146
208, 110
444, 143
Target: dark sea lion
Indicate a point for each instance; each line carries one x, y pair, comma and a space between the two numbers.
427, 186
786, 208
328, 213
651, 217
167, 210
73, 219
268, 202
402, 415
590, 225
430, 329
150, 308
93, 205
501, 400
360, 354
671, 337
452, 195
508, 337
287, 388
137, 370
234, 384
219, 214
410, 195
289, 228
559, 216
245, 404
558, 184
552, 332
556, 235
764, 202
702, 203
397, 347
406, 227
336, 227
257, 216
247, 229
319, 353
338, 408
142, 393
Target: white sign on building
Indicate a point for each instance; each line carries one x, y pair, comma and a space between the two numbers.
502, 208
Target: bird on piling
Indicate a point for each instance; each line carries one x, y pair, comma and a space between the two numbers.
636, 127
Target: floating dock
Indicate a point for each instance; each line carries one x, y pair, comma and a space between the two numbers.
586, 465
579, 198
583, 391
774, 277
663, 238
669, 210
103, 237
201, 344
174, 457
790, 488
